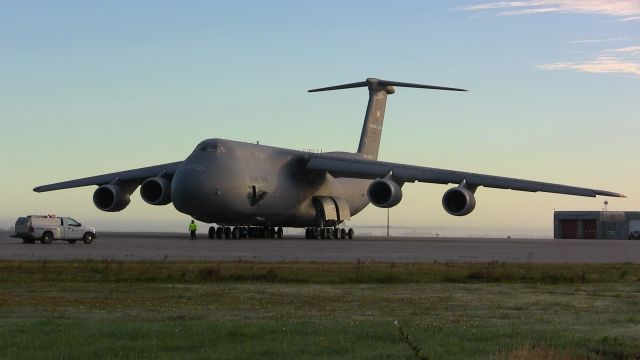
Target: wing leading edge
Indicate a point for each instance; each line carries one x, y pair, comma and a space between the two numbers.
131, 176
370, 169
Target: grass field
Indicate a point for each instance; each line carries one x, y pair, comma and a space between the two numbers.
204, 310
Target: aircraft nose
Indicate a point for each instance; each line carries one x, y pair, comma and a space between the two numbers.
187, 190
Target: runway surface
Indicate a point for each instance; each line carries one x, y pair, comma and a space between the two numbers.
147, 246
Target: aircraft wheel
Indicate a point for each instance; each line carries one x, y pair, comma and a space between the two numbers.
280, 232
47, 238
220, 232
235, 234
350, 233
336, 233
227, 232
272, 232
87, 238
212, 232
343, 233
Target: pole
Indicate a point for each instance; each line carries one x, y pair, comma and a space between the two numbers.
388, 222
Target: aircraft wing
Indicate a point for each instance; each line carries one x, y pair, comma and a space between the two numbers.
135, 176
353, 167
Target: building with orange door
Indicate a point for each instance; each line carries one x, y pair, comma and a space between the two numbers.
595, 224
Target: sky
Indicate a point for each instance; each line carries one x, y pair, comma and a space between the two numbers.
96, 87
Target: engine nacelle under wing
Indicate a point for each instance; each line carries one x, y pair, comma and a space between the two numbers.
111, 197
459, 201
156, 191
384, 193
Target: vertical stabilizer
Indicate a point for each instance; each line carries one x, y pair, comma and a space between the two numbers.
374, 117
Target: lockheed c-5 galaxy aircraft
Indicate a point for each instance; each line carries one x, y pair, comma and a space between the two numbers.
252, 190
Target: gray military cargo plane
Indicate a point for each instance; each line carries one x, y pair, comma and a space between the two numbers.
249, 190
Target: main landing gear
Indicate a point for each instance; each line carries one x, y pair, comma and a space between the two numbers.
245, 232
328, 233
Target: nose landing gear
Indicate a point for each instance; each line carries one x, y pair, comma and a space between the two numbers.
328, 233
245, 232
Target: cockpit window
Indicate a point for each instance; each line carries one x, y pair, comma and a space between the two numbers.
211, 147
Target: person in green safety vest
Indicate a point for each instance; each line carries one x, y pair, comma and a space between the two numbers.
192, 229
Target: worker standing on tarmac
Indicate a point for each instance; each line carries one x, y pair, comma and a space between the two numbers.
192, 229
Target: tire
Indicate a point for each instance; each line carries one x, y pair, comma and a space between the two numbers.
336, 233
235, 234
227, 232
350, 234
87, 238
343, 233
220, 232
212, 232
280, 232
47, 238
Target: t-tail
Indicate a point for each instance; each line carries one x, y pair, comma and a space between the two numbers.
374, 117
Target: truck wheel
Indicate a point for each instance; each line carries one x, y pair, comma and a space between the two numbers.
47, 238
87, 238
71, 241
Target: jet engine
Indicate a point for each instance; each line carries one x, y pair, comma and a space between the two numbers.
459, 201
156, 191
384, 193
111, 198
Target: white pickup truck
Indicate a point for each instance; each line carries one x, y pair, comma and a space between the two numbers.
47, 228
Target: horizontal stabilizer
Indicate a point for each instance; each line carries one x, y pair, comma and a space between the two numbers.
382, 83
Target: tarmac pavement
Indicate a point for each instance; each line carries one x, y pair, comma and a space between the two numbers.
178, 247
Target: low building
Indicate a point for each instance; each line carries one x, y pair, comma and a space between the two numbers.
595, 224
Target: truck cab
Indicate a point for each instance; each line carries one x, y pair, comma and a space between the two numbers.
47, 228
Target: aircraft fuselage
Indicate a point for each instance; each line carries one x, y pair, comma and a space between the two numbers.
234, 183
